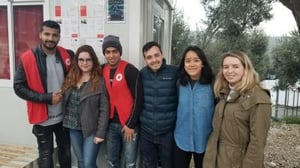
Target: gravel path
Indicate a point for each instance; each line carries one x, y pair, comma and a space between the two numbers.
283, 146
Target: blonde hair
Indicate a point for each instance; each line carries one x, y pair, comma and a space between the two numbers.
249, 80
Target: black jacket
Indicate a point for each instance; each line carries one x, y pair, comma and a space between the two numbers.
20, 82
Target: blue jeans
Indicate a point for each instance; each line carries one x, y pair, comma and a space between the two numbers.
116, 144
156, 148
85, 149
44, 135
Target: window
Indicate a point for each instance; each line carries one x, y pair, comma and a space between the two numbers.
4, 48
27, 21
158, 29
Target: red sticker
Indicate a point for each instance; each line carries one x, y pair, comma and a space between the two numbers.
57, 10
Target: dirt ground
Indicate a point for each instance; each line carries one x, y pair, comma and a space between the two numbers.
283, 146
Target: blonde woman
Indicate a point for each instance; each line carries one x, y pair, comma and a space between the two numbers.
241, 118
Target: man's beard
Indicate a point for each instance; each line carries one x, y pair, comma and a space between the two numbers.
51, 47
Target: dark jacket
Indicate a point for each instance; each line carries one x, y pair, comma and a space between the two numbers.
160, 99
20, 82
93, 109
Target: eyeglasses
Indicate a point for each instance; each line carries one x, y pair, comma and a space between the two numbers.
87, 61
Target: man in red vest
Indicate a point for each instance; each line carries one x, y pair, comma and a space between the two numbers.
126, 98
38, 79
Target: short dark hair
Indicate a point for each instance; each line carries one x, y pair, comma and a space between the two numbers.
51, 24
149, 45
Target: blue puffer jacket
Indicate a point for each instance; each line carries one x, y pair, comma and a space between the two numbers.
160, 100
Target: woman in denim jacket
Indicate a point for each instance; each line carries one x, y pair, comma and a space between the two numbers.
195, 108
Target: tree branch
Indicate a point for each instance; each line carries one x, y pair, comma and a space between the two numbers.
294, 6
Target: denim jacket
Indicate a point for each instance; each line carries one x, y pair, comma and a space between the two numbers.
194, 117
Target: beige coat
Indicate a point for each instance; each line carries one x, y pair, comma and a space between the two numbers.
240, 128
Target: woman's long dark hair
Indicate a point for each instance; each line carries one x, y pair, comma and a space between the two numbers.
206, 76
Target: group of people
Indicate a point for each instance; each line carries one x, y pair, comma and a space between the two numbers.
171, 114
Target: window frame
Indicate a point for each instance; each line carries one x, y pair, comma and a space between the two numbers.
11, 49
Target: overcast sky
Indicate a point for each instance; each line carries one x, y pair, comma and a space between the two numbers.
281, 24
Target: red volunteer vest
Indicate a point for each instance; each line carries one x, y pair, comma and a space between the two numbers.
119, 94
37, 112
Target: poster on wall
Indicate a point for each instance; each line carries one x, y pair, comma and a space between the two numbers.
82, 22
115, 11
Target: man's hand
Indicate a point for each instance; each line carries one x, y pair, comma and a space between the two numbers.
98, 140
56, 97
129, 134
